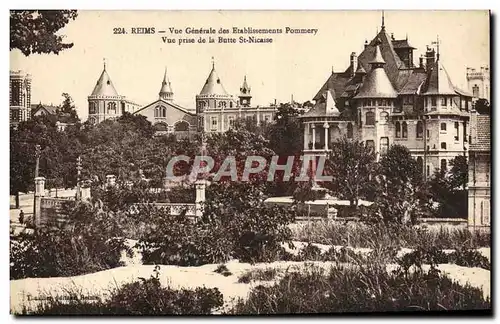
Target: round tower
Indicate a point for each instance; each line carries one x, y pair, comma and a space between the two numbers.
104, 102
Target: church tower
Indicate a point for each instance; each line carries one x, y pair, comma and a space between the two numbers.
166, 92
245, 96
104, 102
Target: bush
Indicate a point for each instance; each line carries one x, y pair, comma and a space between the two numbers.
433, 256
235, 224
89, 242
361, 289
361, 235
144, 297
223, 270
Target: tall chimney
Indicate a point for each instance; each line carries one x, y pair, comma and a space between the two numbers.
430, 57
354, 63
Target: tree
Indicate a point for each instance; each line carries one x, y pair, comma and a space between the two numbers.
285, 134
459, 173
351, 165
401, 196
67, 111
482, 106
35, 31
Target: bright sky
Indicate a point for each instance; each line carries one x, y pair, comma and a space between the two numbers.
292, 64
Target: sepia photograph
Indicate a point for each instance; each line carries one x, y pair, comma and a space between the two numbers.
250, 162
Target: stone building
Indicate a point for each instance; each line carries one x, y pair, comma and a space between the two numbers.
384, 98
479, 185
19, 97
106, 103
220, 109
479, 82
168, 117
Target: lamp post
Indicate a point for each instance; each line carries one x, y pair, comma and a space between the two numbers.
78, 169
38, 153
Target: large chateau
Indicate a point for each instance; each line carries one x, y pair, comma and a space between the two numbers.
217, 108
384, 98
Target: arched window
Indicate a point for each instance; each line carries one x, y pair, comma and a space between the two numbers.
370, 118
420, 129
92, 120
443, 145
398, 130
443, 127
420, 164
405, 130
163, 112
350, 131
112, 108
443, 165
156, 112
92, 109
161, 127
181, 126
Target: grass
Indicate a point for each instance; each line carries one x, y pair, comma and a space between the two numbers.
267, 274
360, 235
144, 297
357, 289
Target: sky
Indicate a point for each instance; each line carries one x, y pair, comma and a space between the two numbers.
294, 64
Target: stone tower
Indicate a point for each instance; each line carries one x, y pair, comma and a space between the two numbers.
478, 82
19, 97
245, 96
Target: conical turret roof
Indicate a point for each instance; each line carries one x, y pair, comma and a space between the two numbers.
213, 85
438, 81
376, 83
104, 86
165, 85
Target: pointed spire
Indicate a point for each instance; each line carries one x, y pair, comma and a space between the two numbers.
332, 70
213, 84
331, 107
245, 89
383, 20
376, 84
166, 92
104, 62
213, 63
377, 59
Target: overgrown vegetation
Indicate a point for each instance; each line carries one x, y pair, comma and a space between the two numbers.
361, 289
361, 235
267, 274
89, 242
144, 297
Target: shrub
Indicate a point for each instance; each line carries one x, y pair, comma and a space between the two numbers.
361, 289
144, 297
89, 242
433, 256
235, 224
223, 270
258, 274
361, 235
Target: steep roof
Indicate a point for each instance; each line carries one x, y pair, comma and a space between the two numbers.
326, 107
389, 55
165, 85
413, 83
213, 85
49, 108
104, 86
335, 84
401, 43
245, 89
438, 81
376, 83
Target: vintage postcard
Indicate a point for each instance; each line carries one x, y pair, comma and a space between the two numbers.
249, 162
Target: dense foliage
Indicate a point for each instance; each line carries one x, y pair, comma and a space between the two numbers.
361, 289
143, 297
